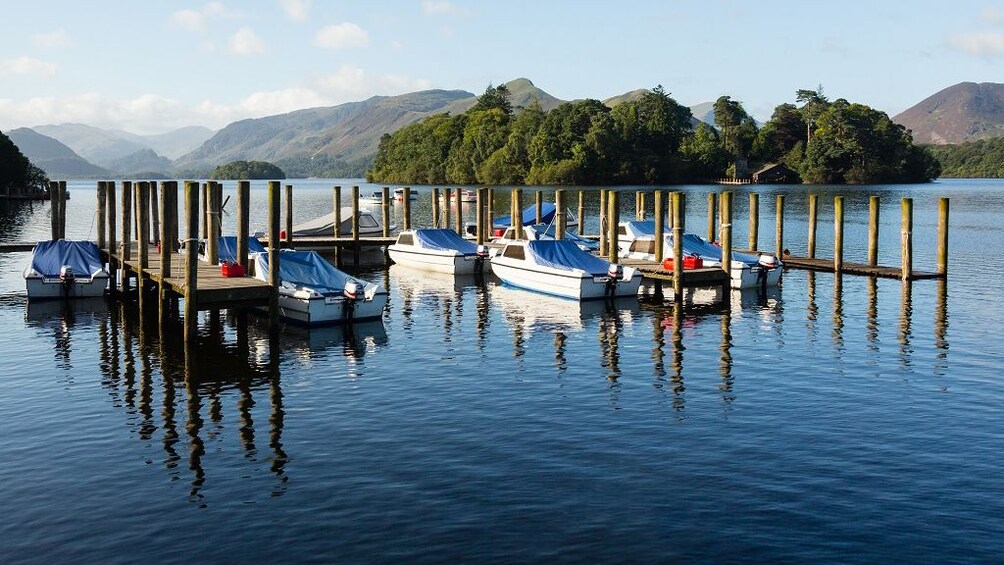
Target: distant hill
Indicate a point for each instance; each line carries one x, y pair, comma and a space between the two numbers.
55, 158
705, 111
142, 161
632, 96
106, 146
964, 112
348, 133
522, 93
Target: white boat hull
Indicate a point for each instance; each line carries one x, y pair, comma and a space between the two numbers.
319, 310
41, 288
448, 262
573, 284
743, 274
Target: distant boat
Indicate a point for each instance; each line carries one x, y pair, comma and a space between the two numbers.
399, 194
313, 292
547, 212
65, 269
370, 225
560, 268
439, 250
467, 196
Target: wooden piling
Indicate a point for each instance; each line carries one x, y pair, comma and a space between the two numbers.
54, 210
779, 228
205, 210
539, 200
943, 236
385, 208
447, 200
754, 240
407, 208
273, 254
679, 206
726, 239
62, 209
479, 217
639, 206
126, 244
873, 230
289, 215
712, 215
838, 234
168, 213
355, 225
191, 264
337, 210
435, 207
112, 243
582, 212
155, 212
813, 218
490, 212
144, 241
517, 212
660, 212
460, 215
102, 188
907, 238
212, 235
613, 221
559, 214
603, 222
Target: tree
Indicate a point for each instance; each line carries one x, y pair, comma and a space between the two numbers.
813, 104
779, 135
497, 97
247, 170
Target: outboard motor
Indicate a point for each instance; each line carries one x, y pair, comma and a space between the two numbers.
766, 263
66, 275
352, 292
615, 272
479, 260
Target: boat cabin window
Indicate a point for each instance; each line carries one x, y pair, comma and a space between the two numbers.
367, 221
405, 239
643, 246
510, 233
621, 230
514, 252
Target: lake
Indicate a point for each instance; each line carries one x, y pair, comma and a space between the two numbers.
834, 419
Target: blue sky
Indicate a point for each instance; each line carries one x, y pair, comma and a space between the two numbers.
153, 66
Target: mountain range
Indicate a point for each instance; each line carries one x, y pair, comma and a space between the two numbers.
342, 140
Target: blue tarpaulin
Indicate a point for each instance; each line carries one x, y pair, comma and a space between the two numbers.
696, 245
646, 227
310, 270
549, 231
547, 210
228, 248
49, 257
445, 240
564, 254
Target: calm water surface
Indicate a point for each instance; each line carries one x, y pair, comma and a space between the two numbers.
834, 419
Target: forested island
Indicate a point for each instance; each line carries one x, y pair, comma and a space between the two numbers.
18, 176
973, 159
649, 140
247, 170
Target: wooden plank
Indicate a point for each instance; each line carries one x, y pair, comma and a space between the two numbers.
826, 265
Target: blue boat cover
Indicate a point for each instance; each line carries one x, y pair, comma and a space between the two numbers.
310, 270
445, 240
697, 245
547, 210
564, 254
83, 257
549, 231
228, 247
646, 227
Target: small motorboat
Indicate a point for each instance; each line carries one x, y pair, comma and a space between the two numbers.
375, 197
439, 250
636, 240
370, 225
313, 292
228, 248
560, 268
547, 212
399, 194
549, 231
65, 269
464, 196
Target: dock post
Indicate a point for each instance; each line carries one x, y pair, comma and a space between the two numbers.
613, 221
54, 209
712, 215
838, 234
385, 209
479, 217
112, 243
539, 200
101, 214
212, 236
603, 222
205, 211
144, 242
273, 256
489, 213
155, 212
447, 212
679, 204
813, 218
289, 215
754, 240
460, 215
337, 211
517, 213
62, 209
355, 225
639, 206
582, 212
943, 237
779, 229
726, 212
125, 246
907, 238
660, 212
407, 207
191, 264
435, 207
559, 214
873, 230
168, 192
243, 223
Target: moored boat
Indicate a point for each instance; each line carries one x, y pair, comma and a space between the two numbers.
439, 250
464, 196
399, 194
313, 292
370, 225
65, 269
529, 216
560, 268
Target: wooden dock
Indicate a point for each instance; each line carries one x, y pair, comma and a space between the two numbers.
827, 265
705, 277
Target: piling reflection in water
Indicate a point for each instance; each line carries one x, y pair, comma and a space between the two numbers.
905, 313
941, 327
838, 314
872, 323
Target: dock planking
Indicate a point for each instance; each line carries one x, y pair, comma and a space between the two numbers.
862, 269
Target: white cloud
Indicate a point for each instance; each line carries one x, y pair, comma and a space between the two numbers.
52, 40
986, 44
198, 20
992, 15
352, 83
26, 66
439, 7
341, 36
245, 42
296, 10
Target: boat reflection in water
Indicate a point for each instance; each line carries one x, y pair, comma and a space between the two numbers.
57, 318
